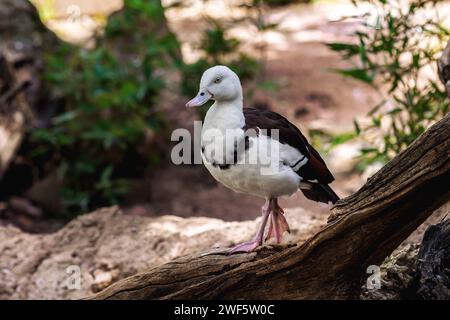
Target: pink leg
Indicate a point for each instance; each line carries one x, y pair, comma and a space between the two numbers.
270, 232
258, 239
278, 224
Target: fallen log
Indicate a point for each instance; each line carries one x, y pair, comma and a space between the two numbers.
433, 263
362, 230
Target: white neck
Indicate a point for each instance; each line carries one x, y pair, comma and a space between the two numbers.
225, 115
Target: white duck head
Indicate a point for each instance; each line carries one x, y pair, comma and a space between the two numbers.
219, 83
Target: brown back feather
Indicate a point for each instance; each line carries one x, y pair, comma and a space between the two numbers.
315, 168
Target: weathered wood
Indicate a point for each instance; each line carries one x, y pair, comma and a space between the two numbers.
433, 263
362, 230
15, 112
23, 41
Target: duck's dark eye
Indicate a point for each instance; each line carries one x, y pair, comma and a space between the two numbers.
217, 80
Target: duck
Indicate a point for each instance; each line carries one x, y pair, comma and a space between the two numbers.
257, 152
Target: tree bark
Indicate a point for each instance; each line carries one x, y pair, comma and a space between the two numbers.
15, 112
362, 230
433, 263
23, 40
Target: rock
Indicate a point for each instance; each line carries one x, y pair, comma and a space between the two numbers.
99, 248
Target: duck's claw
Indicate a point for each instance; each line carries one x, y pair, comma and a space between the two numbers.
245, 247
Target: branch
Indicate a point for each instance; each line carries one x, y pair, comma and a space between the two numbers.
362, 230
12, 93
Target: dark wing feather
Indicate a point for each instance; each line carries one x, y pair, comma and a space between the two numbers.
315, 168
319, 192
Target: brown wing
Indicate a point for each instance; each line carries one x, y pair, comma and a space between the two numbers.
315, 168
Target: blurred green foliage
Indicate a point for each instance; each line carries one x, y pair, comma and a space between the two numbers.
217, 49
109, 94
397, 44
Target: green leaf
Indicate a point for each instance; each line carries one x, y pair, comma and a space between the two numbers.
394, 111
342, 138
65, 117
359, 74
346, 48
357, 128
271, 86
376, 108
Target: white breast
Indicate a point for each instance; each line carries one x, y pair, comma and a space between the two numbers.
258, 172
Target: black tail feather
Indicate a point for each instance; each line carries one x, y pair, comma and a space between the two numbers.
318, 192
